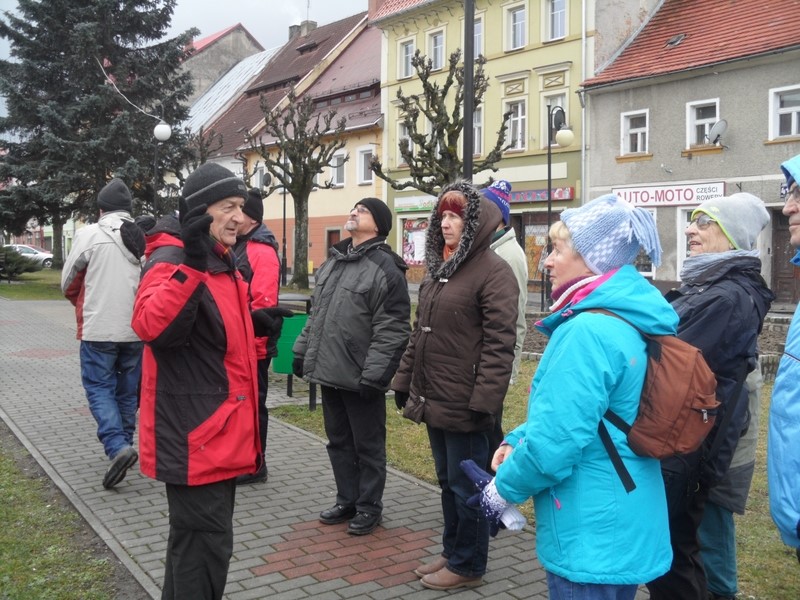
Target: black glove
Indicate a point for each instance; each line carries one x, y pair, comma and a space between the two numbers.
267, 322
400, 399
297, 366
196, 241
369, 393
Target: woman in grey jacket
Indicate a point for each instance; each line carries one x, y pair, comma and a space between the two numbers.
455, 371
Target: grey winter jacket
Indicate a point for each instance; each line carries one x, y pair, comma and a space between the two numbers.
359, 323
459, 358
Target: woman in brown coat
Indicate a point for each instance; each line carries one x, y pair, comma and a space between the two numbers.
455, 371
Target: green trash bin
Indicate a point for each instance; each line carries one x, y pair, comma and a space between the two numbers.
292, 326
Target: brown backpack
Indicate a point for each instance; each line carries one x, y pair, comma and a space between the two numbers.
677, 407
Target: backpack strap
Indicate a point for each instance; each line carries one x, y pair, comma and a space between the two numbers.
616, 420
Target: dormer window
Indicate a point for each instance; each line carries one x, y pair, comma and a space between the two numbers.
307, 47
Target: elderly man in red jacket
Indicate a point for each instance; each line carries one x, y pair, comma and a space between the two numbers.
198, 414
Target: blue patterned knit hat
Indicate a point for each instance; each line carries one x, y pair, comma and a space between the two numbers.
608, 233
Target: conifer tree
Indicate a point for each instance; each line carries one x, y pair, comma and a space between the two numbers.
84, 87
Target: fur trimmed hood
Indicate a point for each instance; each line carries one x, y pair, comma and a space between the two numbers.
481, 219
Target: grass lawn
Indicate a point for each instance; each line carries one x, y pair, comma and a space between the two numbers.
767, 568
41, 285
43, 550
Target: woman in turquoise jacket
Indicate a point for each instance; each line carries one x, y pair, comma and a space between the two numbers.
783, 449
590, 533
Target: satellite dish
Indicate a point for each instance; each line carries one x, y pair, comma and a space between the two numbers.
716, 131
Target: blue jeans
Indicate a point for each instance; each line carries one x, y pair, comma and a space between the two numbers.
717, 534
564, 589
110, 372
466, 533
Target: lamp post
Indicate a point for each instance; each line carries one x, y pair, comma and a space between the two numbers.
162, 132
556, 120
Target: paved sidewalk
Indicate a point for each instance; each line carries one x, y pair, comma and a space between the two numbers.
281, 550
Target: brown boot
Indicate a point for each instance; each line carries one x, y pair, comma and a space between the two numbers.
426, 569
445, 579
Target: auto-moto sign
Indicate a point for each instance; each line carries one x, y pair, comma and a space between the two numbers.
671, 195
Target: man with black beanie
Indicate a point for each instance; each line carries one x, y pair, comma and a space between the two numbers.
199, 392
99, 278
351, 346
257, 259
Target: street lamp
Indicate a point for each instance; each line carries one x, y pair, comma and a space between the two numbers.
162, 132
556, 121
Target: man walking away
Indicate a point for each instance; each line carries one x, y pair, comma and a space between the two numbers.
100, 278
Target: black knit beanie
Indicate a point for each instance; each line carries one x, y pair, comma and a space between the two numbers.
210, 183
115, 195
254, 206
380, 214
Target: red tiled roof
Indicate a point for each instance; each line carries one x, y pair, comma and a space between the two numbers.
285, 68
714, 32
203, 43
392, 7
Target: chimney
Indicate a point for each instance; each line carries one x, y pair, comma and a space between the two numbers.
294, 31
307, 27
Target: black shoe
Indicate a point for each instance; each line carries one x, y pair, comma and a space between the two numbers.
259, 476
337, 514
120, 464
363, 523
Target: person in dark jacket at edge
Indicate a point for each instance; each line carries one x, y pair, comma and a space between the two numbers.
256, 252
721, 303
455, 372
199, 396
351, 346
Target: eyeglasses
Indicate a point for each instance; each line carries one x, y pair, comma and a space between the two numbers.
702, 221
793, 195
361, 209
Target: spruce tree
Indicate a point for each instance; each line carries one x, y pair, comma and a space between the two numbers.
85, 84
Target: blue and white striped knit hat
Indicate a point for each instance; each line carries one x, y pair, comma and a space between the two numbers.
608, 233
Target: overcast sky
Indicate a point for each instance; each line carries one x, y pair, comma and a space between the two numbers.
267, 20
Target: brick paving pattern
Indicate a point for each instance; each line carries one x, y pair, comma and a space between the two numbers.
281, 551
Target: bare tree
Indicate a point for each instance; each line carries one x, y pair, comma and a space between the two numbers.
433, 121
296, 144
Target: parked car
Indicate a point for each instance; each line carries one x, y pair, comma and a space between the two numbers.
40, 255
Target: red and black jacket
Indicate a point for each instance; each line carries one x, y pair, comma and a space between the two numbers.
198, 414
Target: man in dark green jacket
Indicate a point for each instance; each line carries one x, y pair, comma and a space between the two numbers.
351, 346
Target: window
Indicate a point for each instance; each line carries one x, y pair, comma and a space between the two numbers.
700, 117
516, 125
364, 161
785, 112
477, 131
478, 37
556, 19
515, 19
337, 169
436, 49
404, 67
634, 132
403, 134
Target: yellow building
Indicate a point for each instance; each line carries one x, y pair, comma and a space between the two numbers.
535, 52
